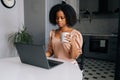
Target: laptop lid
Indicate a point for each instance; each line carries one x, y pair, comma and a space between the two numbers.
32, 54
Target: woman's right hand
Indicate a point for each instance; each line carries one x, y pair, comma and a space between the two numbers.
48, 54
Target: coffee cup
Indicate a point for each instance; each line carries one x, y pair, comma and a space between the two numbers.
63, 36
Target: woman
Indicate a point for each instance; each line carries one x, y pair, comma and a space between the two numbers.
64, 16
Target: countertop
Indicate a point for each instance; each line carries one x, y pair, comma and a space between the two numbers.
99, 35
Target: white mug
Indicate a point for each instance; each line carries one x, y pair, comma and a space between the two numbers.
63, 36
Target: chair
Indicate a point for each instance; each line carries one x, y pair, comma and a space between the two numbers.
80, 59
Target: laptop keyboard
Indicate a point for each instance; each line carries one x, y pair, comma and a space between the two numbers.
53, 63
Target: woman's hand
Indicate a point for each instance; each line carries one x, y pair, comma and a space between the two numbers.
68, 38
48, 54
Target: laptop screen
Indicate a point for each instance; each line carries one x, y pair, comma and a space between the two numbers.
33, 54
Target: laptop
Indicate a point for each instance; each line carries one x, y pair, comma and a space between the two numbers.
35, 55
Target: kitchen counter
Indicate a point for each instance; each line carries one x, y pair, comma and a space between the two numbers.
100, 46
103, 35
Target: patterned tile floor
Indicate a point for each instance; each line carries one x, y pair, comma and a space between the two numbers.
98, 70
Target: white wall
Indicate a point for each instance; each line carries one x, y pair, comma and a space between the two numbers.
10, 21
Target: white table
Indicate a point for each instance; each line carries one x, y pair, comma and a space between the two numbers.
13, 69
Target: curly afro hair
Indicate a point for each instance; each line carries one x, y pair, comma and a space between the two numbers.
68, 11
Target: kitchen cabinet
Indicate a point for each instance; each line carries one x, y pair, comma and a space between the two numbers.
99, 8
100, 46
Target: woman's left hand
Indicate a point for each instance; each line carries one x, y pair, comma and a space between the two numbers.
68, 38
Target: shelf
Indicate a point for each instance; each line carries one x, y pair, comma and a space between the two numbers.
100, 16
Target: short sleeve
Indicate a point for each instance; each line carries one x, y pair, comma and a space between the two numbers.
76, 44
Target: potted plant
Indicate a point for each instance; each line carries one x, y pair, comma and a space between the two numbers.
22, 36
